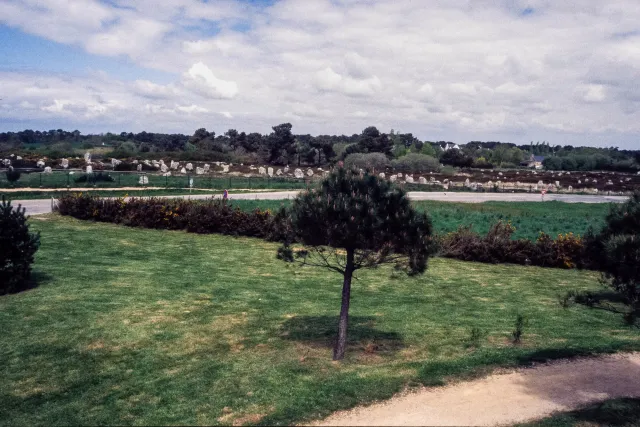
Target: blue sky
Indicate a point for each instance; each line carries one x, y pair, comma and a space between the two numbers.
515, 70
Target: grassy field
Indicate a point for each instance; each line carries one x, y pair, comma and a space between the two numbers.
617, 412
133, 326
529, 218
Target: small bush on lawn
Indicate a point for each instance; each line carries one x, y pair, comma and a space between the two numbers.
12, 175
17, 247
95, 177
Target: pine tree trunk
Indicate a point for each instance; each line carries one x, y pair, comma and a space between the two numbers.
343, 324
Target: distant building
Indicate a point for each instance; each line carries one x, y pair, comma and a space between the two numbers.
534, 162
450, 146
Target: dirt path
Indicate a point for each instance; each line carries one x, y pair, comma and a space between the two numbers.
503, 399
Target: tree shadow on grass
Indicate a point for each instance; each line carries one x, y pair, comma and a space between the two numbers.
321, 331
37, 278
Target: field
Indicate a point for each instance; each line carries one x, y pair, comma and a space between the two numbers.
529, 218
133, 326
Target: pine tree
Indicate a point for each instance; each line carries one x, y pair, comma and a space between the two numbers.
357, 221
17, 247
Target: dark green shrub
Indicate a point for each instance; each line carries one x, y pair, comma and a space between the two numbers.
518, 331
416, 163
92, 178
620, 253
17, 247
12, 175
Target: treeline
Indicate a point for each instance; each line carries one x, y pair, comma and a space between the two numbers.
282, 147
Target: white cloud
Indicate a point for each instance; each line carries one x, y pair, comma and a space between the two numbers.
458, 70
201, 80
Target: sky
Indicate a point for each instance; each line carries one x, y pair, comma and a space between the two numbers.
566, 72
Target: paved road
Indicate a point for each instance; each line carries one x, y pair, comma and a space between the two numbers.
36, 207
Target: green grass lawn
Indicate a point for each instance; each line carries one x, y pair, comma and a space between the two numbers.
616, 412
529, 218
134, 326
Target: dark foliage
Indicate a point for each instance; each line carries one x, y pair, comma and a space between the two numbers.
619, 243
92, 178
208, 216
567, 251
12, 175
17, 248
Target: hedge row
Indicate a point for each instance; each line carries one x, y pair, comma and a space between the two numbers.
217, 216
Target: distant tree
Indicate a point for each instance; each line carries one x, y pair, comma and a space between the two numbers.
282, 144
357, 221
457, 158
372, 141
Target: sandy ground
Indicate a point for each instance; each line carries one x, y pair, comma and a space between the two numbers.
503, 399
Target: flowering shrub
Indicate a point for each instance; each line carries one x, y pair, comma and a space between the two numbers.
567, 251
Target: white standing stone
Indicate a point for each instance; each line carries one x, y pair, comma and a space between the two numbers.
557, 183
298, 173
174, 165
87, 157
40, 163
408, 179
115, 162
183, 170
270, 171
48, 170
540, 183
207, 167
309, 172
499, 173
225, 168
135, 162
279, 172
286, 169
262, 171
199, 171
381, 175
89, 169
164, 168
422, 180
143, 180
393, 178
467, 183
139, 168
189, 166
399, 175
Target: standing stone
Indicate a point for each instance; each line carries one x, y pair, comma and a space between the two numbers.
262, 171
89, 169
174, 165
135, 162
540, 183
286, 169
422, 180
48, 170
467, 183
298, 173
270, 171
189, 166
309, 172
183, 170
164, 168
87, 157
225, 168
207, 167
399, 175
279, 172
64, 163
139, 168
381, 175
115, 162
393, 178
40, 163
199, 171
408, 179
143, 180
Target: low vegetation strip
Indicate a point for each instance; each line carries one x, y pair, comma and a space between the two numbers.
217, 216
142, 326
